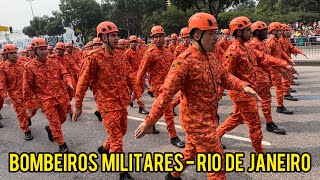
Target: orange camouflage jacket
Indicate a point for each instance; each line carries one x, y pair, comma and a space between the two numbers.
11, 80
179, 49
198, 76
134, 58
243, 62
224, 43
157, 63
46, 80
172, 47
109, 75
288, 47
276, 49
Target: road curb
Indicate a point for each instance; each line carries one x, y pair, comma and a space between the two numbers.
307, 62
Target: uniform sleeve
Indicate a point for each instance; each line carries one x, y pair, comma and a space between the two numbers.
131, 78
229, 61
87, 73
230, 82
75, 68
143, 68
3, 84
64, 74
266, 60
285, 57
172, 84
294, 50
27, 87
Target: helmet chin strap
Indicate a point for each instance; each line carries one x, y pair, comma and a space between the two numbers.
107, 42
199, 41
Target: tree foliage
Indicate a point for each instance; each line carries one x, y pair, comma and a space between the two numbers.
131, 16
83, 15
40, 26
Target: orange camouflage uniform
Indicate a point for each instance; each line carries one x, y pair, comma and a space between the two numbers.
134, 58
219, 54
276, 73
198, 76
288, 49
179, 49
71, 67
263, 80
157, 63
242, 62
47, 81
109, 75
11, 85
172, 47
224, 43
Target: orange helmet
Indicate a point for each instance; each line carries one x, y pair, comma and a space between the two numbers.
274, 26
68, 44
60, 45
202, 21
259, 25
239, 23
133, 38
174, 36
49, 48
288, 28
29, 47
9, 48
184, 32
121, 41
225, 31
96, 41
126, 41
156, 30
38, 42
106, 28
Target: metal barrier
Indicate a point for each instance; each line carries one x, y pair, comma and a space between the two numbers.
309, 45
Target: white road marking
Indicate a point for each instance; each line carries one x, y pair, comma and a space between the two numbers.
239, 138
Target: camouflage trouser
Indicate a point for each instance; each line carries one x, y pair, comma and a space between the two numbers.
202, 143
248, 112
287, 82
21, 114
169, 119
263, 90
276, 78
115, 123
56, 116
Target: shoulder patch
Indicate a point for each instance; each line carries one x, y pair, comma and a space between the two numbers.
176, 63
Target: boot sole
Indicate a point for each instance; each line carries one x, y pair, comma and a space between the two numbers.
291, 99
276, 132
285, 113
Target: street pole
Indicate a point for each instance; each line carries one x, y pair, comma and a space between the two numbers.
31, 7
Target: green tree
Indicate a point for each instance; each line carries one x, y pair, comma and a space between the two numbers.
215, 7
172, 20
83, 15
54, 26
29, 31
131, 16
37, 27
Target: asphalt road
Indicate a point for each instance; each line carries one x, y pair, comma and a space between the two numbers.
303, 135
